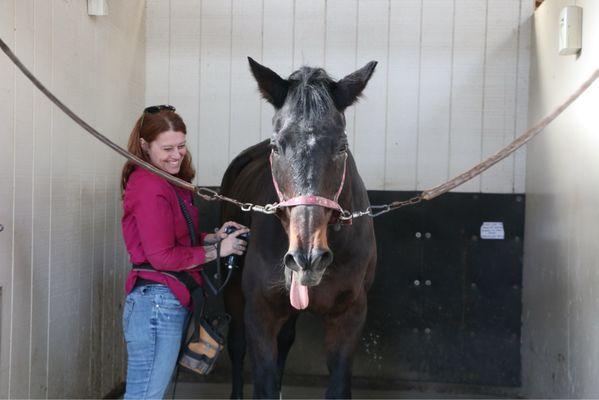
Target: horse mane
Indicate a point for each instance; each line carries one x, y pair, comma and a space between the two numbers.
309, 93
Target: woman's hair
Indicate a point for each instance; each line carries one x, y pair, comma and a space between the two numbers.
153, 125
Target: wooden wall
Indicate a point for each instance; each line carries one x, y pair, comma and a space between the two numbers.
62, 260
451, 86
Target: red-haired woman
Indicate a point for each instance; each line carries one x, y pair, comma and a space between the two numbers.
157, 236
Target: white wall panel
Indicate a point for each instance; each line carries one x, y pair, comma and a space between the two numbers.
450, 88
467, 89
215, 81
62, 261
405, 23
245, 119
105, 194
158, 36
277, 50
309, 33
341, 37
97, 254
370, 116
86, 84
184, 68
79, 164
436, 74
102, 344
7, 168
521, 104
63, 291
23, 190
42, 202
500, 91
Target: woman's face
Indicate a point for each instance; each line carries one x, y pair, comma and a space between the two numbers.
166, 151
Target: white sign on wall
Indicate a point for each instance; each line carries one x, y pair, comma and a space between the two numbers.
492, 230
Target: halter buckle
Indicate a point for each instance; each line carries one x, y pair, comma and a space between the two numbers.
345, 215
266, 209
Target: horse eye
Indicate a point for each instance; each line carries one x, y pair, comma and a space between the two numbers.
274, 148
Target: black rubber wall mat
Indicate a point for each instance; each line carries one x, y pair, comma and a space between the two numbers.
446, 303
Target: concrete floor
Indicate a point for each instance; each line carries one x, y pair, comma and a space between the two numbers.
191, 390
217, 386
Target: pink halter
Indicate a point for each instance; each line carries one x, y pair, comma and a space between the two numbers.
310, 200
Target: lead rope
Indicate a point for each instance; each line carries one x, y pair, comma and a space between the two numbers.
345, 215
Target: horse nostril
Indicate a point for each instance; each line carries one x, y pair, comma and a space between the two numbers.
294, 261
323, 258
297, 260
290, 262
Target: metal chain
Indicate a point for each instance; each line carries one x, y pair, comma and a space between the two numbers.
213, 195
376, 210
345, 215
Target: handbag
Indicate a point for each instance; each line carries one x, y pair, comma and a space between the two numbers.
200, 352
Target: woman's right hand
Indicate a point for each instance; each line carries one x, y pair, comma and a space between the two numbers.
232, 244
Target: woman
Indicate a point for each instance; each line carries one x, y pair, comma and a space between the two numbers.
157, 236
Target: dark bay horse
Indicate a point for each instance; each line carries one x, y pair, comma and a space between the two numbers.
302, 260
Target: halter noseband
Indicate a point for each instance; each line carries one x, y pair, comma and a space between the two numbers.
310, 200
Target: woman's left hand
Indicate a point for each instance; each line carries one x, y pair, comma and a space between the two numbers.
220, 233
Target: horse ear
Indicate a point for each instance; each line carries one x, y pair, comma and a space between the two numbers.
272, 86
346, 91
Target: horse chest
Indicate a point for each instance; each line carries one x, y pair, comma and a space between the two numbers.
332, 299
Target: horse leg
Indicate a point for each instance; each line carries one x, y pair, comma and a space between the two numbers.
342, 333
262, 327
236, 344
285, 340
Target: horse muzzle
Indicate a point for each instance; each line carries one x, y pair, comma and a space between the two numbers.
308, 246
308, 255
303, 278
316, 260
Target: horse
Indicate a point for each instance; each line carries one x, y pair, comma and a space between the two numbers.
306, 259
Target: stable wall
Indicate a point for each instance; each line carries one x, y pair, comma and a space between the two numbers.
451, 86
62, 260
560, 337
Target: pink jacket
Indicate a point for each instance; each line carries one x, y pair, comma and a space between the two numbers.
155, 231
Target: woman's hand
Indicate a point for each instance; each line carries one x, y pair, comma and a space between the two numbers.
232, 244
220, 234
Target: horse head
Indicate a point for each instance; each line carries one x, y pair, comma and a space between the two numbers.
309, 152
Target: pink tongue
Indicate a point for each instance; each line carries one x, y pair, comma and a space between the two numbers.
298, 295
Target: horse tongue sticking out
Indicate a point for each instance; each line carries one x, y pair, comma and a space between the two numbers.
298, 294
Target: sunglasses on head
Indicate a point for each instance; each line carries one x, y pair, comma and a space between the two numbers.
154, 110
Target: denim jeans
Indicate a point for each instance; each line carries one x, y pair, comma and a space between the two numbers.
153, 323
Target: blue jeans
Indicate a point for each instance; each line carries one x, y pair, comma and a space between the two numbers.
153, 323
